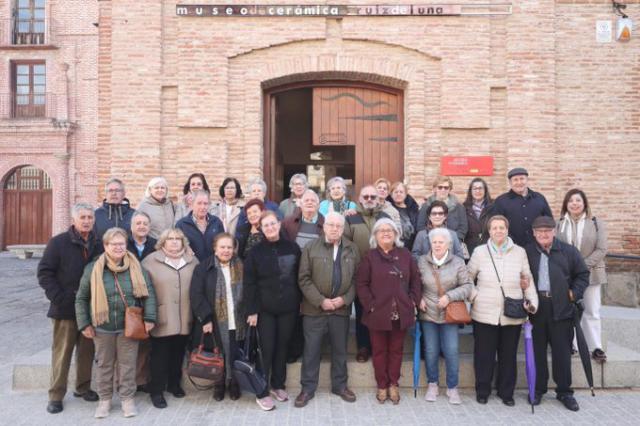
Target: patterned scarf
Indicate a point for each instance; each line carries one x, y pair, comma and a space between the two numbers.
340, 206
99, 302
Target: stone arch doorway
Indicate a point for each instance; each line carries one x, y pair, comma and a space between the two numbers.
27, 206
327, 128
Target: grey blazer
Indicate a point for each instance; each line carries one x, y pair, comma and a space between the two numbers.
593, 247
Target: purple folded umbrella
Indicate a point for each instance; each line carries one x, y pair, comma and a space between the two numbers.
530, 361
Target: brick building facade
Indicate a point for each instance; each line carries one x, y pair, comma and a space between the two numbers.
179, 94
48, 114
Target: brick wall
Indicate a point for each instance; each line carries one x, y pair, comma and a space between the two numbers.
66, 154
179, 95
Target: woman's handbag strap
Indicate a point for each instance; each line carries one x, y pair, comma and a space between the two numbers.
496, 269
115, 278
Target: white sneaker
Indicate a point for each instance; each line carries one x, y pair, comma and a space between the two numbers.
103, 409
266, 403
432, 392
454, 396
129, 408
279, 394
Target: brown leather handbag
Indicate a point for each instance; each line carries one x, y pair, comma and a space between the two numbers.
206, 365
455, 312
133, 318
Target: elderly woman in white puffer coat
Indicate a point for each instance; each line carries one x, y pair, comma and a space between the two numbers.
502, 270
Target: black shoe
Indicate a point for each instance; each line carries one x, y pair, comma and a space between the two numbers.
599, 355
509, 402
569, 402
89, 395
177, 392
303, 399
54, 407
142, 388
234, 390
218, 392
537, 399
158, 401
482, 399
292, 358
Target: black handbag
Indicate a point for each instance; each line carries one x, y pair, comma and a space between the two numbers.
247, 368
513, 308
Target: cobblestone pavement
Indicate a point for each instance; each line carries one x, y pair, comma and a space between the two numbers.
25, 330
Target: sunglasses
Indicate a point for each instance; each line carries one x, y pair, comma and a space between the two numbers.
369, 197
442, 187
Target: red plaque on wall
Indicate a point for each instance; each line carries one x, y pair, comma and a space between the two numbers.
466, 166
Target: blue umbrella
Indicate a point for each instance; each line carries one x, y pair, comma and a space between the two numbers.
416, 358
530, 361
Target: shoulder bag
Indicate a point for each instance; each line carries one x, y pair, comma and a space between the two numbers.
455, 312
513, 308
206, 365
248, 367
133, 317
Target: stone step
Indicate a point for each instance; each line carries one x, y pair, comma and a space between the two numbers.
621, 370
621, 325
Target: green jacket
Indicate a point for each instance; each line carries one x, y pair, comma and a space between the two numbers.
116, 306
315, 273
357, 228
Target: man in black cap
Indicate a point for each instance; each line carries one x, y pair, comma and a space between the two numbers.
560, 277
521, 205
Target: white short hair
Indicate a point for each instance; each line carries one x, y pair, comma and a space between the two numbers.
334, 215
78, 207
155, 181
381, 222
299, 176
311, 191
257, 181
440, 232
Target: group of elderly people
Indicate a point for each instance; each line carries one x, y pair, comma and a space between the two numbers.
293, 270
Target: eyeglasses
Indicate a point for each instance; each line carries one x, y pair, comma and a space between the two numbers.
116, 244
174, 239
477, 188
269, 225
436, 214
114, 191
386, 231
369, 197
442, 187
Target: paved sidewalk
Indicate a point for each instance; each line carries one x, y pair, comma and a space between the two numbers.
25, 330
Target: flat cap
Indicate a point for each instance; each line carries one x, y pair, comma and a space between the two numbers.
517, 171
543, 222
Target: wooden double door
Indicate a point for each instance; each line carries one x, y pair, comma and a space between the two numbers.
356, 128
27, 207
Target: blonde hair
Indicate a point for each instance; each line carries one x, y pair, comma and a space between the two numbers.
442, 179
112, 233
169, 232
383, 180
153, 182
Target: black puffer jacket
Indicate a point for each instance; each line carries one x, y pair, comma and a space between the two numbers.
412, 210
61, 268
567, 271
271, 278
113, 215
